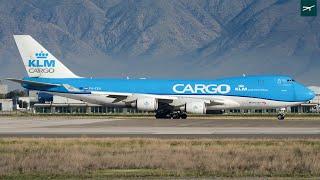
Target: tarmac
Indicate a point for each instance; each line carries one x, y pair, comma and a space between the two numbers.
148, 127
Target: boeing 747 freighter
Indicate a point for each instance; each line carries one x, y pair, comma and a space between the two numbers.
167, 98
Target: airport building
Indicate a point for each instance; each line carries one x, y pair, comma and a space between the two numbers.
5, 104
313, 105
3, 89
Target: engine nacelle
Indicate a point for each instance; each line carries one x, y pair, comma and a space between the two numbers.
147, 104
196, 108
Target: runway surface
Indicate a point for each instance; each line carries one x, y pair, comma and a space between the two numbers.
223, 127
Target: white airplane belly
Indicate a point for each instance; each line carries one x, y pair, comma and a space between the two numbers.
247, 103
93, 99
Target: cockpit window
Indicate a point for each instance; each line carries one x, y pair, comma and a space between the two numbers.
290, 80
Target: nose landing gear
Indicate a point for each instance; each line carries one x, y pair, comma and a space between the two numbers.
281, 114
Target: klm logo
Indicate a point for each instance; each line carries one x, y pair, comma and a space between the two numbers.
41, 61
41, 64
241, 88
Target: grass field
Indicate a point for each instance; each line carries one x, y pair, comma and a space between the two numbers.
125, 157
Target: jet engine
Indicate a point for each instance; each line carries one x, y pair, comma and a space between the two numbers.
196, 108
147, 104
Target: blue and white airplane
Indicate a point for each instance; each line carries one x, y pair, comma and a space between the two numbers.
168, 98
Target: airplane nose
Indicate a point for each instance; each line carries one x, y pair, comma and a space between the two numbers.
310, 94
303, 94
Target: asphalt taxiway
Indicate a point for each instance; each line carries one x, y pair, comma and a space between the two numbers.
241, 127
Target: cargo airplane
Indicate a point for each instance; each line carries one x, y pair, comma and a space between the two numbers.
167, 98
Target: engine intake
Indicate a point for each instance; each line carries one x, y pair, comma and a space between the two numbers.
196, 108
147, 104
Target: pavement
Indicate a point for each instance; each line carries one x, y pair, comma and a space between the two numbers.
216, 127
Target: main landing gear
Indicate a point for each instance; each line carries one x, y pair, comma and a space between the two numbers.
167, 114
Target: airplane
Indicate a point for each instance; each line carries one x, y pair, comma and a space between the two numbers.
167, 98
307, 8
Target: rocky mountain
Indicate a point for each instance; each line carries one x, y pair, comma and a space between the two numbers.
163, 38
268, 37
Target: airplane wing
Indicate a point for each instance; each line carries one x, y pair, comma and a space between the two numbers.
67, 87
130, 97
171, 100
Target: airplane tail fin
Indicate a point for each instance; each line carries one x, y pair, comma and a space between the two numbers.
38, 61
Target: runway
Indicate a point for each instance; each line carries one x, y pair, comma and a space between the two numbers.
73, 126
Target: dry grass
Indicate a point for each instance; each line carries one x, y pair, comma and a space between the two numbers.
89, 157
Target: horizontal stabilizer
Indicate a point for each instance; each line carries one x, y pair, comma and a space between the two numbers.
32, 83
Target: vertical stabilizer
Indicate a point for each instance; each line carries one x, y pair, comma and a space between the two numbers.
38, 61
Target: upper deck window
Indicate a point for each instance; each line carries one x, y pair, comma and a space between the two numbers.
260, 82
285, 81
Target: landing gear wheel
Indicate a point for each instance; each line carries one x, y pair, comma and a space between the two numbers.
175, 115
281, 117
183, 115
163, 114
167, 114
162, 117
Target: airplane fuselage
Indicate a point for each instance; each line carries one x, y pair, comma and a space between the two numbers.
238, 92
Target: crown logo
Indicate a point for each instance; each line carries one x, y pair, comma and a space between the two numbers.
41, 55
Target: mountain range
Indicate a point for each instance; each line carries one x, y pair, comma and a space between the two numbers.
166, 38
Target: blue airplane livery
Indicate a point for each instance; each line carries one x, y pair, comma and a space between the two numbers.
167, 98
